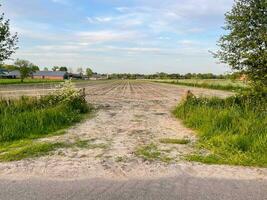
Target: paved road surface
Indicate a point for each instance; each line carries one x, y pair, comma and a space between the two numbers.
180, 187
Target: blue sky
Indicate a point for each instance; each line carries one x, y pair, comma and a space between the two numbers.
136, 36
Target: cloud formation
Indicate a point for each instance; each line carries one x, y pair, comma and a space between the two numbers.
136, 36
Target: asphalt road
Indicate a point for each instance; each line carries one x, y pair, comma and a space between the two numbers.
180, 187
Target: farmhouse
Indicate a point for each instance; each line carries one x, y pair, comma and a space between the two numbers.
9, 74
52, 75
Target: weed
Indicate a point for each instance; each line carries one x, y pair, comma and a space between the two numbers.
151, 152
174, 141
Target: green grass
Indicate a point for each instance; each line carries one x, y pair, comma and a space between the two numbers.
26, 81
151, 152
26, 149
174, 141
30, 117
233, 130
218, 84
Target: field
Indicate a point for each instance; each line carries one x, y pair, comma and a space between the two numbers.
220, 84
133, 134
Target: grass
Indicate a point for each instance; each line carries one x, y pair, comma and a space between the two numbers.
26, 81
26, 149
151, 152
233, 130
88, 144
25, 119
30, 117
174, 141
218, 84
30, 148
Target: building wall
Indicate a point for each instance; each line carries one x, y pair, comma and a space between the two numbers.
49, 77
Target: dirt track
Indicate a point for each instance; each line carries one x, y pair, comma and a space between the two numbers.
130, 114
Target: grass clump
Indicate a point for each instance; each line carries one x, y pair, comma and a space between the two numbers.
234, 130
88, 144
151, 152
174, 141
31, 117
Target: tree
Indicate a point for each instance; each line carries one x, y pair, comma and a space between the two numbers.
63, 69
8, 42
244, 48
45, 69
25, 68
89, 72
55, 68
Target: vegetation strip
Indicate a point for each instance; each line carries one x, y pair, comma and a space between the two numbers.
233, 130
31, 117
216, 86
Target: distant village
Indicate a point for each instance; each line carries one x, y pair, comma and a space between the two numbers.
56, 74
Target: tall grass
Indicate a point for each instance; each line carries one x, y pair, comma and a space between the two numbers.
233, 130
30, 117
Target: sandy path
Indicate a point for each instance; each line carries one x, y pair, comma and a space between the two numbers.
131, 114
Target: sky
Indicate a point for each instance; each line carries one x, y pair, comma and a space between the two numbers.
119, 36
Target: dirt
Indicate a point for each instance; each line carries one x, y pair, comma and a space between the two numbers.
130, 115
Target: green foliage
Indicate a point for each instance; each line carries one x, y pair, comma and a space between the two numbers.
8, 42
89, 72
30, 117
25, 68
234, 130
244, 48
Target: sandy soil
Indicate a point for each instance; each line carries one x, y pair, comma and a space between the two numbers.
130, 114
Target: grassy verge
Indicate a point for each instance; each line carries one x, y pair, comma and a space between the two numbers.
28, 118
233, 130
27, 81
227, 86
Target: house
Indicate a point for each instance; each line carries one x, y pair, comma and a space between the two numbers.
9, 74
51, 75
14, 74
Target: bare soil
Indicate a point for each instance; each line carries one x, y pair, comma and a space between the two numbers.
130, 114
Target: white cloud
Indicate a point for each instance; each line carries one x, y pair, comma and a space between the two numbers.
105, 36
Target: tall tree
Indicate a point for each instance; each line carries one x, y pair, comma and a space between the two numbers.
8, 41
25, 68
244, 47
89, 72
